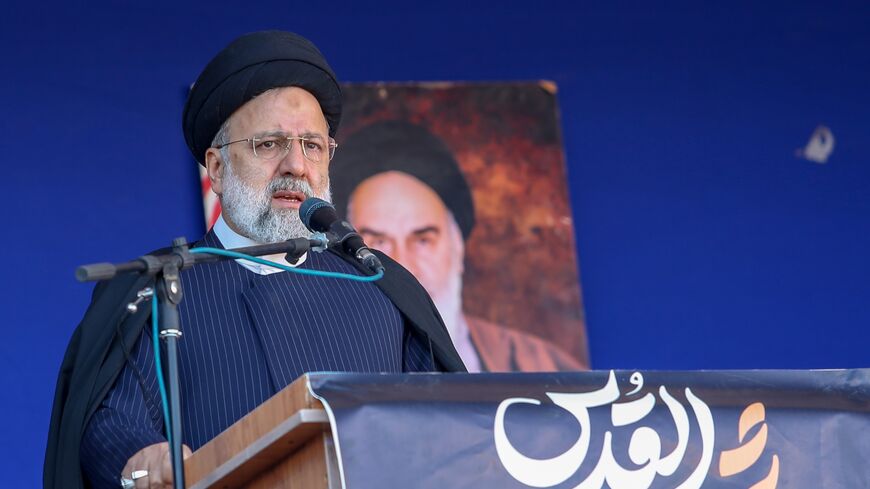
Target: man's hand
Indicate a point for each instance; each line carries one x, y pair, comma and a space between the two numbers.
155, 459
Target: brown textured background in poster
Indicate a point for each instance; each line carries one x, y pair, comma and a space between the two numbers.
520, 264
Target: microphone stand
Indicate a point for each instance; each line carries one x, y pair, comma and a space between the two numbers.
169, 296
166, 268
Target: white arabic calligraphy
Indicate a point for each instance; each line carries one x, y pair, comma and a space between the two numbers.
644, 446
636, 380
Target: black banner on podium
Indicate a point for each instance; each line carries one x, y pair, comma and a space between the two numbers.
617, 429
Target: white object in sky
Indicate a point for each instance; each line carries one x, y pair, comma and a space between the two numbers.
819, 147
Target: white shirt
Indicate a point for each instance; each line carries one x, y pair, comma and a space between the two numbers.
231, 239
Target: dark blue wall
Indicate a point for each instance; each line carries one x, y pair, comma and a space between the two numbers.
704, 243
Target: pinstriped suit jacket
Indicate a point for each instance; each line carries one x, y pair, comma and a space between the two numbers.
88, 373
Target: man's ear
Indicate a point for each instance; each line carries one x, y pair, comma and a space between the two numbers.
214, 166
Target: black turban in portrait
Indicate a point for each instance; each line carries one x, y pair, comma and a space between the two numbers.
404, 147
249, 66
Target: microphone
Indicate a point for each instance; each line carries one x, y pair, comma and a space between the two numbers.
320, 216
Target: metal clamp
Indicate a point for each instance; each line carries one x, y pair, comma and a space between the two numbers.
141, 296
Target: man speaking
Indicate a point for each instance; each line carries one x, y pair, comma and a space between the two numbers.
261, 118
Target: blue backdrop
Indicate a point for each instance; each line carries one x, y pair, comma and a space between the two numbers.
704, 242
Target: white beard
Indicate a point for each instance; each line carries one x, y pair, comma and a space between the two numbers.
449, 303
250, 209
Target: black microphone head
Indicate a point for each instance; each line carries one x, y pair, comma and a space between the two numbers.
317, 214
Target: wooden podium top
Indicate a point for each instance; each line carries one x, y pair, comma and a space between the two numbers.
260, 439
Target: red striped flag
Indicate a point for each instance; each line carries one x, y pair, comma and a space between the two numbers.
210, 203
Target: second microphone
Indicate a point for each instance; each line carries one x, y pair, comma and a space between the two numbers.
321, 217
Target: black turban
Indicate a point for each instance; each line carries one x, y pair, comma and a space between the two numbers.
247, 67
408, 148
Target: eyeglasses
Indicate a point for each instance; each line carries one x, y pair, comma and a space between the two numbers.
277, 146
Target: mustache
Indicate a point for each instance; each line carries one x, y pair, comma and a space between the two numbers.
290, 184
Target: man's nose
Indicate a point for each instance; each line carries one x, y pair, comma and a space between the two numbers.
397, 254
401, 255
293, 163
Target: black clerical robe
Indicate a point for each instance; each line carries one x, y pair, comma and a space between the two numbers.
95, 358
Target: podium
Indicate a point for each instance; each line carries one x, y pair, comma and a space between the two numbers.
285, 443
620, 429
